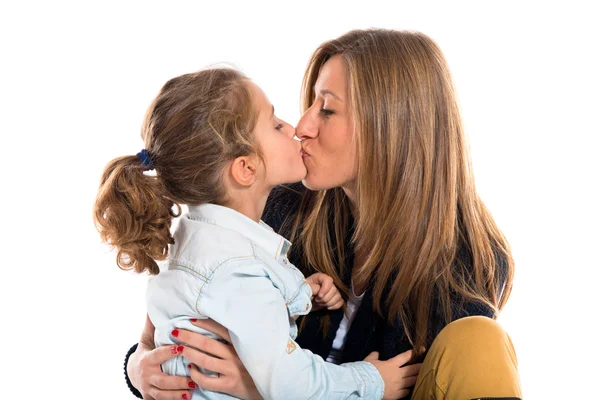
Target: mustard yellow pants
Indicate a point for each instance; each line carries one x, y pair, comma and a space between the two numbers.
471, 358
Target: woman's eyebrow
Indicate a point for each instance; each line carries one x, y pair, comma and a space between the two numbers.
327, 92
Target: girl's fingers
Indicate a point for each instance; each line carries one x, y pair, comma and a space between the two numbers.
335, 299
373, 356
337, 305
314, 288
213, 327
411, 370
325, 299
401, 358
409, 382
326, 285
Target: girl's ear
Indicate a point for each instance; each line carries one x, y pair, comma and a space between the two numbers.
244, 169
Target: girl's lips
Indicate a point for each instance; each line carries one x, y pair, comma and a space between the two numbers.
304, 154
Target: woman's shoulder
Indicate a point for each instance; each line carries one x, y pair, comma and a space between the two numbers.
283, 203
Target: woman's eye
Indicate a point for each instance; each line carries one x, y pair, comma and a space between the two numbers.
326, 112
279, 127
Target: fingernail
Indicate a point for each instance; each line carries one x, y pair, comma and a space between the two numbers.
175, 332
191, 385
180, 349
184, 396
193, 320
174, 350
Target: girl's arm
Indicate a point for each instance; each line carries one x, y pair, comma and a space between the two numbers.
241, 298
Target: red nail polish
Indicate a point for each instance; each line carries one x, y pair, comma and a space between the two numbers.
175, 332
174, 350
184, 396
180, 349
191, 385
189, 366
193, 320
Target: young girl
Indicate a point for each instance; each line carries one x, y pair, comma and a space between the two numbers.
218, 148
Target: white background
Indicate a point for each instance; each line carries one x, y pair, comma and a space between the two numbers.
76, 79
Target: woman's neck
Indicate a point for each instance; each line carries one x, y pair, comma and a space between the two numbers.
350, 190
360, 256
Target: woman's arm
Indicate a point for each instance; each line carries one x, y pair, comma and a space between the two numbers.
144, 373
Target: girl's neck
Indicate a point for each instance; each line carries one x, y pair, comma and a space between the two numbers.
251, 203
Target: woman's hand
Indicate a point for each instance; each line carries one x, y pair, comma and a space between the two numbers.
233, 378
325, 294
145, 374
398, 377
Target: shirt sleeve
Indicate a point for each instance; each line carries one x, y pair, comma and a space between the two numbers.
242, 298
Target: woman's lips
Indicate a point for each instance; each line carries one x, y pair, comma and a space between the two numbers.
304, 153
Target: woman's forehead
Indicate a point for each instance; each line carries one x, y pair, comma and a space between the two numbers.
332, 78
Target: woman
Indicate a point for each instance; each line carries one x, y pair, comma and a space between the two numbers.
393, 216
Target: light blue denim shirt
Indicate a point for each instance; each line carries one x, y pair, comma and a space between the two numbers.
227, 267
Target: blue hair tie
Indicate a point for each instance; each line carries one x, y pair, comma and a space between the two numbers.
144, 157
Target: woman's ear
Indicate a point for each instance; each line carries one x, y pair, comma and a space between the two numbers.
244, 170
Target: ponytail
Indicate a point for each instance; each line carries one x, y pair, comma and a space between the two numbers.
196, 125
133, 215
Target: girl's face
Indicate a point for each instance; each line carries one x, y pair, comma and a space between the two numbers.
282, 154
327, 131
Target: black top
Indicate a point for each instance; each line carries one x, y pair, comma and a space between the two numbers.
369, 331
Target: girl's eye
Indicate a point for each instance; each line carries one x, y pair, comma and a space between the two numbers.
325, 112
279, 127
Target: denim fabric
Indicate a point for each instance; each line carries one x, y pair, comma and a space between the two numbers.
229, 268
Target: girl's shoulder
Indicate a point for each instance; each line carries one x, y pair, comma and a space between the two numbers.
282, 204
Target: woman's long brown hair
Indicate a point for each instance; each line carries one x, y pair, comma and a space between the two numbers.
195, 126
417, 207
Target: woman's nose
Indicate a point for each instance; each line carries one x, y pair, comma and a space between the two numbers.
307, 127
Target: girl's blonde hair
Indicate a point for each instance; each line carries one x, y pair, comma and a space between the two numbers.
195, 126
417, 207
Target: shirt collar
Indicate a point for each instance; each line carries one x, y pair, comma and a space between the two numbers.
260, 233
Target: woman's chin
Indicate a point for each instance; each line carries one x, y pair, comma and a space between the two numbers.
310, 183
320, 182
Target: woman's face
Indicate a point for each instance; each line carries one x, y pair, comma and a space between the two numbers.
281, 152
327, 131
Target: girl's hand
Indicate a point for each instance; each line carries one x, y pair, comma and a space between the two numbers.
325, 294
398, 377
233, 378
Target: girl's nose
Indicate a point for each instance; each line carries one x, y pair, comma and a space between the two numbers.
290, 130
